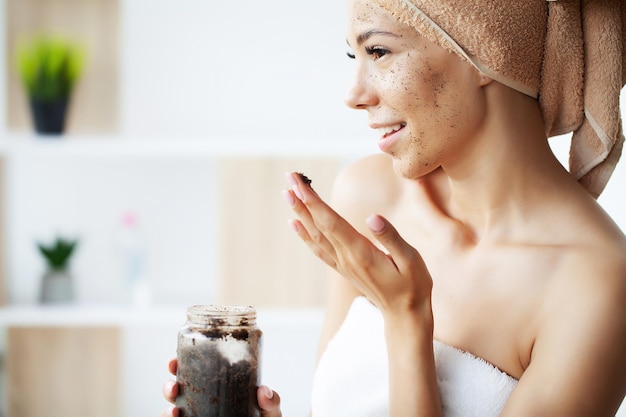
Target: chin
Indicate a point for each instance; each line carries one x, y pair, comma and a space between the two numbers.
412, 169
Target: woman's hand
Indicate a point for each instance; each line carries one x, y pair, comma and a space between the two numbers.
269, 401
396, 281
170, 390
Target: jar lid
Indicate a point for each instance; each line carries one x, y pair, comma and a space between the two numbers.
224, 315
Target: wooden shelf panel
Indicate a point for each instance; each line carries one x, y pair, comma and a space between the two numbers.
55, 372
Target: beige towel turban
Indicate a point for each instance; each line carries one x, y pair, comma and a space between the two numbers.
570, 54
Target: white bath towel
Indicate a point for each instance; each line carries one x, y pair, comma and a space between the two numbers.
351, 379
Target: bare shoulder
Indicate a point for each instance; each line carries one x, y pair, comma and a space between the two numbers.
593, 261
365, 186
592, 282
580, 347
593, 268
360, 189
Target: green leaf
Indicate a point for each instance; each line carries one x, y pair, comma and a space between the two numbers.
49, 67
57, 254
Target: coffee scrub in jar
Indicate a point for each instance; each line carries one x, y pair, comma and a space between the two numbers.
219, 362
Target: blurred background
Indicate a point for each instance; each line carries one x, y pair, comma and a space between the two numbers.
167, 179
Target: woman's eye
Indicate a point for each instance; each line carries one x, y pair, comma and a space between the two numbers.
376, 52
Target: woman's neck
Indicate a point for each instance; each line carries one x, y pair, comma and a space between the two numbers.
507, 168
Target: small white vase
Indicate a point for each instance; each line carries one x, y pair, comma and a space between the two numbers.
57, 287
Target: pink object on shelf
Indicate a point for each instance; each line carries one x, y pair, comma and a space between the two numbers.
130, 219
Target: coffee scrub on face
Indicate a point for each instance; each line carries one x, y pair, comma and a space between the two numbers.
218, 362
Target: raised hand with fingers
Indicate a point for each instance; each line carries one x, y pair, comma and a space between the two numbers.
396, 281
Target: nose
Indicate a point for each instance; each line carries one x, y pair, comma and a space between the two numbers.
361, 94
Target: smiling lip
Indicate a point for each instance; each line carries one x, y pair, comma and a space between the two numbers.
385, 131
388, 135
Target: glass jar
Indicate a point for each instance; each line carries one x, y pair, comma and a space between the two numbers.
219, 362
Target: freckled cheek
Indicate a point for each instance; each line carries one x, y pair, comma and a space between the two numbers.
391, 84
420, 91
403, 95
443, 102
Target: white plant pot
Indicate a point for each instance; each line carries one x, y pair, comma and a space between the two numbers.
57, 287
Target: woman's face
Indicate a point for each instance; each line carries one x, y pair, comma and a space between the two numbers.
424, 101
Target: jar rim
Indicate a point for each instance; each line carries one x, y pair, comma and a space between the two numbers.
221, 315
220, 310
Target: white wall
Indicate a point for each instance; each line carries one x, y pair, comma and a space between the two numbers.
223, 70
84, 196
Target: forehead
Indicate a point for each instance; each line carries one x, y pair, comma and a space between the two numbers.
368, 12
366, 16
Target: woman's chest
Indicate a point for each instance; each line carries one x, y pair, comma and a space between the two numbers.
486, 297
490, 308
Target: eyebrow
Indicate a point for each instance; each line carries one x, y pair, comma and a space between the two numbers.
369, 33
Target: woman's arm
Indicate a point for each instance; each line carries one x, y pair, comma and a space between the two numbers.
413, 387
578, 361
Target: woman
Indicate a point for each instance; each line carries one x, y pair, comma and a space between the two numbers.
482, 245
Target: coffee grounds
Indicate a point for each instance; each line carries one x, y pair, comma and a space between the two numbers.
305, 179
210, 386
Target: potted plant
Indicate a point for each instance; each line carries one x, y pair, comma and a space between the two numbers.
57, 285
49, 69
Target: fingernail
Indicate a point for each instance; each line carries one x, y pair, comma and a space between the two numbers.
169, 385
292, 225
297, 192
267, 392
290, 179
289, 198
375, 223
